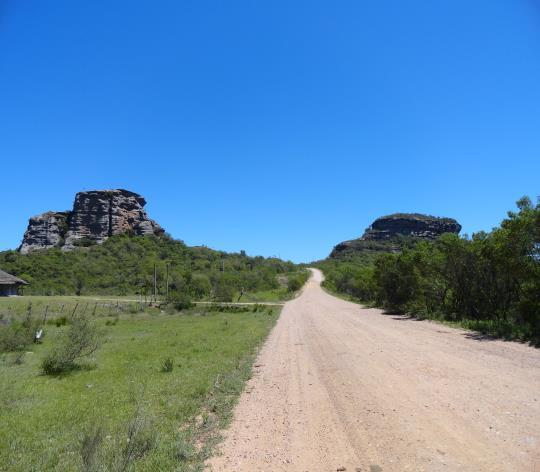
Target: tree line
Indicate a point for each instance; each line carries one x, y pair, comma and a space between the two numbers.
124, 265
489, 282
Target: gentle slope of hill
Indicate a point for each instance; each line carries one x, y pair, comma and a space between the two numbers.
124, 265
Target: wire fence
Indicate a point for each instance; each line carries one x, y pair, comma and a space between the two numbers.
67, 310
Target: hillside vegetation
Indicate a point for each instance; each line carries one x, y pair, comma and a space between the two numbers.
489, 282
124, 265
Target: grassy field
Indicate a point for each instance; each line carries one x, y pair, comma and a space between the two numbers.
102, 305
276, 295
126, 407
67, 305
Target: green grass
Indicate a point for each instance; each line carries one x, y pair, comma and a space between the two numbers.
277, 295
65, 305
177, 413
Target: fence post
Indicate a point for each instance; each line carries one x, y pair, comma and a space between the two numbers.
74, 310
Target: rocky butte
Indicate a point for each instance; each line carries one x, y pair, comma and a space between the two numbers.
389, 233
96, 215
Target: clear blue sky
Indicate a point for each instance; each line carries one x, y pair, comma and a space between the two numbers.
277, 127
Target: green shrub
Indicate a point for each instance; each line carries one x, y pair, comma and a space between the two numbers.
129, 447
16, 335
167, 365
133, 308
296, 282
181, 301
113, 321
200, 286
84, 242
18, 359
141, 439
229, 308
61, 321
224, 292
80, 340
54, 363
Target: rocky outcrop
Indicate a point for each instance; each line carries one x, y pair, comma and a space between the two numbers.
410, 224
389, 233
100, 214
45, 231
96, 215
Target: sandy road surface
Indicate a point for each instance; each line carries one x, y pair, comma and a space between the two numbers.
338, 387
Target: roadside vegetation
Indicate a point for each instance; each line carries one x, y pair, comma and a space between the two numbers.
489, 282
118, 390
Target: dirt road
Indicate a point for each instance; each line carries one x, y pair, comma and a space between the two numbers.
338, 387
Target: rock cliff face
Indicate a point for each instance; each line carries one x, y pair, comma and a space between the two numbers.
410, 224
45, 231
100, 214
389, 232
96, 215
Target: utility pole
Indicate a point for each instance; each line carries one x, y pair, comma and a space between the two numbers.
167, 283
155, 284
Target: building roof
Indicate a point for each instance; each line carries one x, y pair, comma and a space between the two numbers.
8, 279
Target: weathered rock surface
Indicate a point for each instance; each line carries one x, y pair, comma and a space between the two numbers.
100, 214
388, 233
96, 215
411, 224
45, 231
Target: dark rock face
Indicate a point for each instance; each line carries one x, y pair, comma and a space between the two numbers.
388, 233
411, 224
99, 214
96, 215
45, 231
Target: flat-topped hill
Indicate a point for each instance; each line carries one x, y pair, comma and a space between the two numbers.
388, 233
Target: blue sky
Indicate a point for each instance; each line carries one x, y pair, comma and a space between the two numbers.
280, 127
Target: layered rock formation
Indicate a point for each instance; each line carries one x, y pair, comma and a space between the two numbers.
410, 224
96, 215
45, 231
389, 233
100, 214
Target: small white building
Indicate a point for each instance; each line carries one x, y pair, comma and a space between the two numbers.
10, 285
